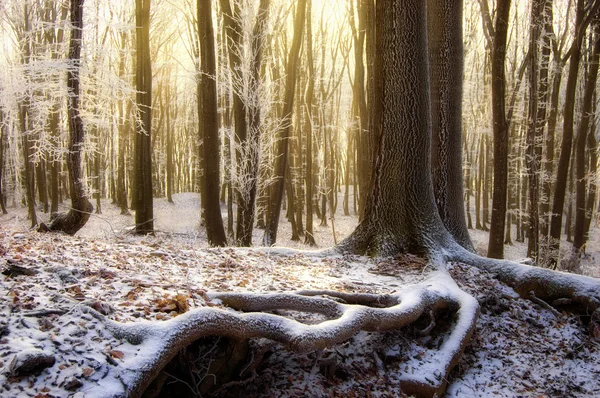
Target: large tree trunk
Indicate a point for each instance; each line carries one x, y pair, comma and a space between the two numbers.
446, 77
406, 220
496, 241
81, 208
274, 207
144, 212
209, 127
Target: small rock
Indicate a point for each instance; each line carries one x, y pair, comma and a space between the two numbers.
29, 362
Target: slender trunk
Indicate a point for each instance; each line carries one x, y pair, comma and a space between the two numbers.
579, 237
143, 199
81, 208
591, 198
209, 127
496, 240
3, 145
567, 139
274, 210
309, 238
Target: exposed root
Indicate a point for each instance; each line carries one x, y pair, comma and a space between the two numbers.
581, 293
158, 342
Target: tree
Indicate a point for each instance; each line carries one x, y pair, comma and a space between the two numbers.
209, 126
396, 222
446, 76
580, 232
78, 215
539, 52
246, 109
274, 207
3, 145
498, 220
143, 195
309, 237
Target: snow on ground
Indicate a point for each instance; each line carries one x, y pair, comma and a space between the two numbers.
518, 350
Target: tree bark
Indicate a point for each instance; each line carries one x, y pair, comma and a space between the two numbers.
579, 237
309, 237
3, 145
500, 127
209, 127
567, 140
81, 208
144, 212
274, 207
446, 77
406, 220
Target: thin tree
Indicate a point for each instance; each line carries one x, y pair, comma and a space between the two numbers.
500, 126
3, 145
539, 50
209, 126
309, 237
274, 206
143, 200
579, 236
81, 207
567, 138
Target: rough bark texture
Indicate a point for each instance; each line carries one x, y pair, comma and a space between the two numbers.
274, 207
209, 127
500, 127
404, 220
144, 210
81, 208
444, 22
538, 87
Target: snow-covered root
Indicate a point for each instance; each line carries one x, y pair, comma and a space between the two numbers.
153, 344
577, 292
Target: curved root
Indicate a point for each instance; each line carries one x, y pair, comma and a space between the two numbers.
156, 343
582, 293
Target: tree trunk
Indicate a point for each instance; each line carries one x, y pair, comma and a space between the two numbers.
580, 238
406, 220
209, 127
567, 140
309, 237
144, 212
3, 145
591, 199
446, 77
539, 52
81, 208
496, 241
274, 208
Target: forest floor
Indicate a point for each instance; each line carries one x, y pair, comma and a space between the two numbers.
519, 349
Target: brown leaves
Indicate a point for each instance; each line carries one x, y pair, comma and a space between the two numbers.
178, 303
76, 292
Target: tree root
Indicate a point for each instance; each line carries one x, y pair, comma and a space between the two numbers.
154, 344
580, 293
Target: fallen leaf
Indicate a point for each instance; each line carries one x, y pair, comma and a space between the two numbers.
117, 354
